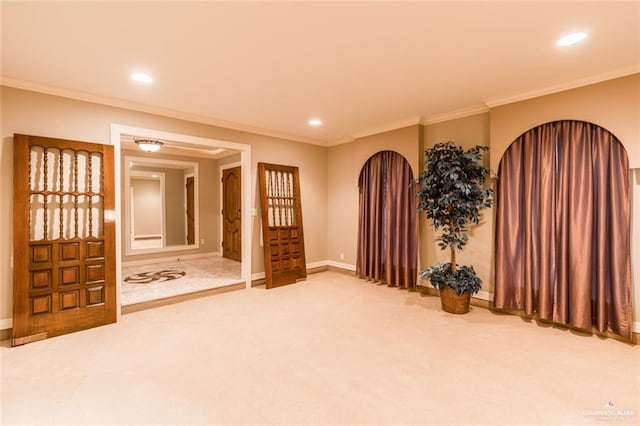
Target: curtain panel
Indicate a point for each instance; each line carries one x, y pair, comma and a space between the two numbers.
387, 229
563, 227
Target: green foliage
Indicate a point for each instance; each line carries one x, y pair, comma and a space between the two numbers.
452, 194
452, 191
463, 279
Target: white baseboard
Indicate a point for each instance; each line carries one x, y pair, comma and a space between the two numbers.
341, 265
258, 276
6, 323
320, 263
483, 295
170, 258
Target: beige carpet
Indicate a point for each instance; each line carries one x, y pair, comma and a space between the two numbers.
330, 350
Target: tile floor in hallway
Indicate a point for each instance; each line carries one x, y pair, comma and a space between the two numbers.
200, 274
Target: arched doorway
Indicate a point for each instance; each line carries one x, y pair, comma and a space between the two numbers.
562, 227
387, 232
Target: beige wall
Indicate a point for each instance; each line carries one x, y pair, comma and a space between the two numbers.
613, 104
235, 158
175, 214
344, 165
329, 175
312, 162
39, 114
466, 132
404, 141
146, 202
342, 204
635, 243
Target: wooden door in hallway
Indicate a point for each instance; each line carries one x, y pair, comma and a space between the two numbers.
231, 214
64, 237
191, 218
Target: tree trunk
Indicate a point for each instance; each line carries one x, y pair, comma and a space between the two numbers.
453, 250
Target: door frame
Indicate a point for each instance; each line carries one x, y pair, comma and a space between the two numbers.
186, 203
118, 130
221, 169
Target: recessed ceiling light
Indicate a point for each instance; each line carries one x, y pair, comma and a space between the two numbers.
141, 77
315, 122
570, 39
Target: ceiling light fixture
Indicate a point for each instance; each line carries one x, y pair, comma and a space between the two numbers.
149, 145
141, 77
570, 39
315, 122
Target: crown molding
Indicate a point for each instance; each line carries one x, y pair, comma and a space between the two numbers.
388, 127
340, 141
459, 113
150, 109
610, 75
377, 130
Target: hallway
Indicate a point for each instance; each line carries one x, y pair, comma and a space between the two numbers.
154, 281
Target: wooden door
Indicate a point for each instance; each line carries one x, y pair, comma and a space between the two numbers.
283, 237
191, 224
64, 237
231, 213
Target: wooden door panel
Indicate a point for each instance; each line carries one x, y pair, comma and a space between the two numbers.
281, 224
64, 245
231, 213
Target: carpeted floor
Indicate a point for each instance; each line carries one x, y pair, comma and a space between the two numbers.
333, 349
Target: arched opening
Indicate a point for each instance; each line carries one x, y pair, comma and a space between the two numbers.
387, 232
562, 227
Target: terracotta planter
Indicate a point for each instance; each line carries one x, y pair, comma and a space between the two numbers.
454, 303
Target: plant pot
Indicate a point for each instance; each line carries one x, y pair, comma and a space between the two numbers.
454, 303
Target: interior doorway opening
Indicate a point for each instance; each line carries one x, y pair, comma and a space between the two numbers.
189, 258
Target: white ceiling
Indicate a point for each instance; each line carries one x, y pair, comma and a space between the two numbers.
272, 66
182, 148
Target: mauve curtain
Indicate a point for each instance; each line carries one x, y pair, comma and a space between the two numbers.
563, 227
387, 232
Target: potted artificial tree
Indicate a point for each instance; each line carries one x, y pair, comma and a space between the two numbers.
451, 195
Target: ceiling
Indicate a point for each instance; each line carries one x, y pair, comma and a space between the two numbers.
181, 148
269, 67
